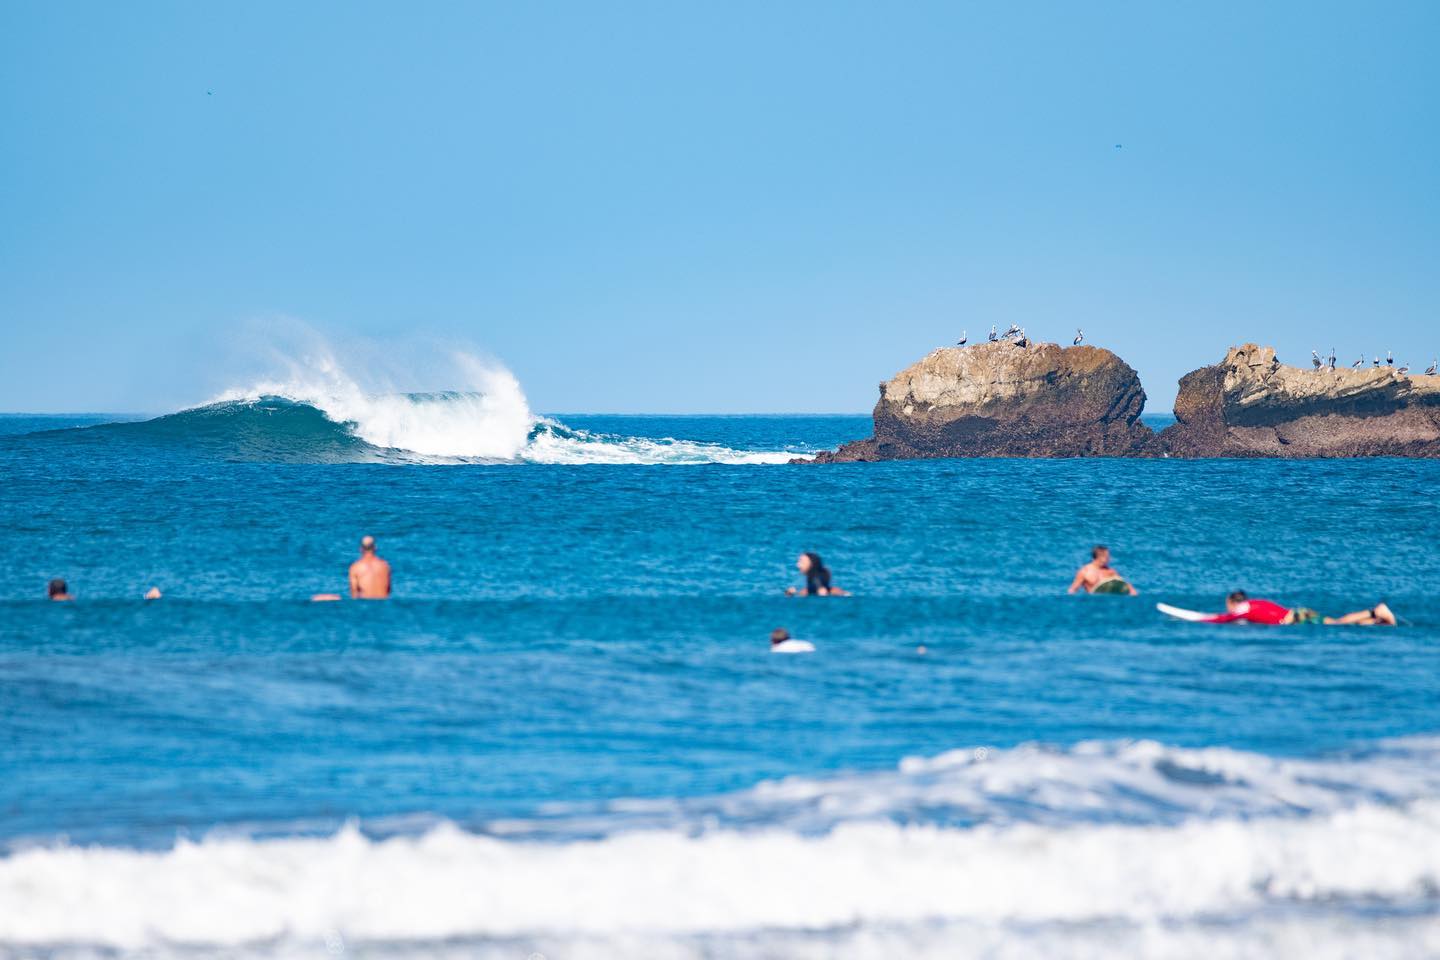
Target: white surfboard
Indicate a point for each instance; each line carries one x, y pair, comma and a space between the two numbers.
1180, 613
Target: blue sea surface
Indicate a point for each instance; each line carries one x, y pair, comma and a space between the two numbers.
577, 652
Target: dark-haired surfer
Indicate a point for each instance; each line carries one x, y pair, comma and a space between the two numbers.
1098, 576
817, 578
782, 642
57, 590
1239, 606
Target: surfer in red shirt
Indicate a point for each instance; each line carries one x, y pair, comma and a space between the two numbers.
1239, 606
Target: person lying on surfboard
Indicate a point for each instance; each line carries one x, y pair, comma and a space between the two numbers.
1098, 576
1239, 606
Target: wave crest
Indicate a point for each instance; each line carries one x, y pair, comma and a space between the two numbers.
325, 417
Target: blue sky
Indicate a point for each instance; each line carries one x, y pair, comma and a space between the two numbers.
682, 207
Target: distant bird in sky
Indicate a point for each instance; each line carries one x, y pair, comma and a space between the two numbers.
993, 334
1430, 370
1389, 360
964, 336
1315, 358
1117, 146
1079, 336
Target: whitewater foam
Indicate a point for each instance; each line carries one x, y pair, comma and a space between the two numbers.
1310, 852
488, 419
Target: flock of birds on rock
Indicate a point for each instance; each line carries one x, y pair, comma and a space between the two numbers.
1020, 338
1328, 363
1016, 334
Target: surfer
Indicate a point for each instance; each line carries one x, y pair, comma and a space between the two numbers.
1239, 606
782, 642
817, 578
369, 576
1098, 576
58, 590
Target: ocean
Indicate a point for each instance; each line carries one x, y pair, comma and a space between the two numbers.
565, 736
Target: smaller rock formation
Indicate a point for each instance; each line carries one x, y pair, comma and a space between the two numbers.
1251, 405
1001, 399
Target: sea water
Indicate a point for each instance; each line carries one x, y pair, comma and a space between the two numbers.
565, 735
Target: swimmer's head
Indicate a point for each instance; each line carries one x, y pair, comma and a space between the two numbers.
809, 561
779, 635
1235, 599
58, 588
1100, 553
367, 544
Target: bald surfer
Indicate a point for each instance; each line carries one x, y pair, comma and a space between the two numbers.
1098, 576
370, 575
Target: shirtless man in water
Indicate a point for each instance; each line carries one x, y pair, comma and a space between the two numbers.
369, 576
1099, 571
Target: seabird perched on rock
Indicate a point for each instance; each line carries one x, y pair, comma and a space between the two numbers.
1389, 360
1359, 362
1022, 340
1079, 336
992, 333
1315, 359
1014, 329
1377, 361
1430, 370
964, 337
1404, 369
1332, 358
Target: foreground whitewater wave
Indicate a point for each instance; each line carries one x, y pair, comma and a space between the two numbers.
1100, 849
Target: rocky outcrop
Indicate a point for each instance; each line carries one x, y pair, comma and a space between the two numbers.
1251, 405
1001, 399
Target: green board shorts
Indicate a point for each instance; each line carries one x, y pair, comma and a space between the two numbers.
1115, 585
1306, 616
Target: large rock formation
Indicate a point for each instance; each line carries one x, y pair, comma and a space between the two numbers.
1001, 399
1251, 405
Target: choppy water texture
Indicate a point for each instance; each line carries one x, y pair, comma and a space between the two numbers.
566, 734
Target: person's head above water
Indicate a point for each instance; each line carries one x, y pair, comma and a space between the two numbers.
367, 544
1100, 554
58, 590
817, 575
779, 635
1235, 599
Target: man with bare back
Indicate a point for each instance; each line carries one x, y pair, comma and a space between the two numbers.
369, 576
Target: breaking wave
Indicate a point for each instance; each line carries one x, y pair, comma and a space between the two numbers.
416, 428
335, 421
1099, 849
